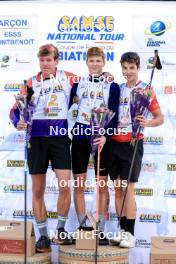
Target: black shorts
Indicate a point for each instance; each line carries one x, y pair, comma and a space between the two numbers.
80, 151
120, 158
45, 149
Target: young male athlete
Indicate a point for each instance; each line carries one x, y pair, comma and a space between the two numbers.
121, 149
93, 91
51, 92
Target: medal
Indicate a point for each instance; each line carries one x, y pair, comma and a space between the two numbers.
124, 121
49, 101
46, 110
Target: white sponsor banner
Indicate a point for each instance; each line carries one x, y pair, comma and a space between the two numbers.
154, 32
17, 41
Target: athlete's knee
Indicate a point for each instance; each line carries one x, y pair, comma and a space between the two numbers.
79, 189
118, 193
103, 189
38, 193
64, 191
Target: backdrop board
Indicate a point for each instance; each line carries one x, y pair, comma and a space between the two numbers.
73, 27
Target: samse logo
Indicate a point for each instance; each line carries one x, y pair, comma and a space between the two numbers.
153, 140
150, 218
15, 163
29, 214
86, 24
144, 191
14, 188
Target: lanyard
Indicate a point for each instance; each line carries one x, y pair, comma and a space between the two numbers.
92, 101
125, 87
52, 83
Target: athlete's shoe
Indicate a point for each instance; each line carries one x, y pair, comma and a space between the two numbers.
128, 241
116, 239
63, 237
103, 241
43, 245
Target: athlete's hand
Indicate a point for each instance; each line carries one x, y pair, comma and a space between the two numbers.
76, 99
21, 125
108, 77
100, 141
142, 121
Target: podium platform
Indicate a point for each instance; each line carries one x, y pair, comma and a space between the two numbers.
106, 254
44, 258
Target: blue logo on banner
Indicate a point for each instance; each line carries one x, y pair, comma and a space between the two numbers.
158, 28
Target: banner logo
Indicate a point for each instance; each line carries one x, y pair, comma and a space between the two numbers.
170, 193
149, 166
150, 218
171, 167
74, 35
153, 140
14, 188
15, 163
158, 28
144, 192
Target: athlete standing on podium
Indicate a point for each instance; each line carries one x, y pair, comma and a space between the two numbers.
51, 90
